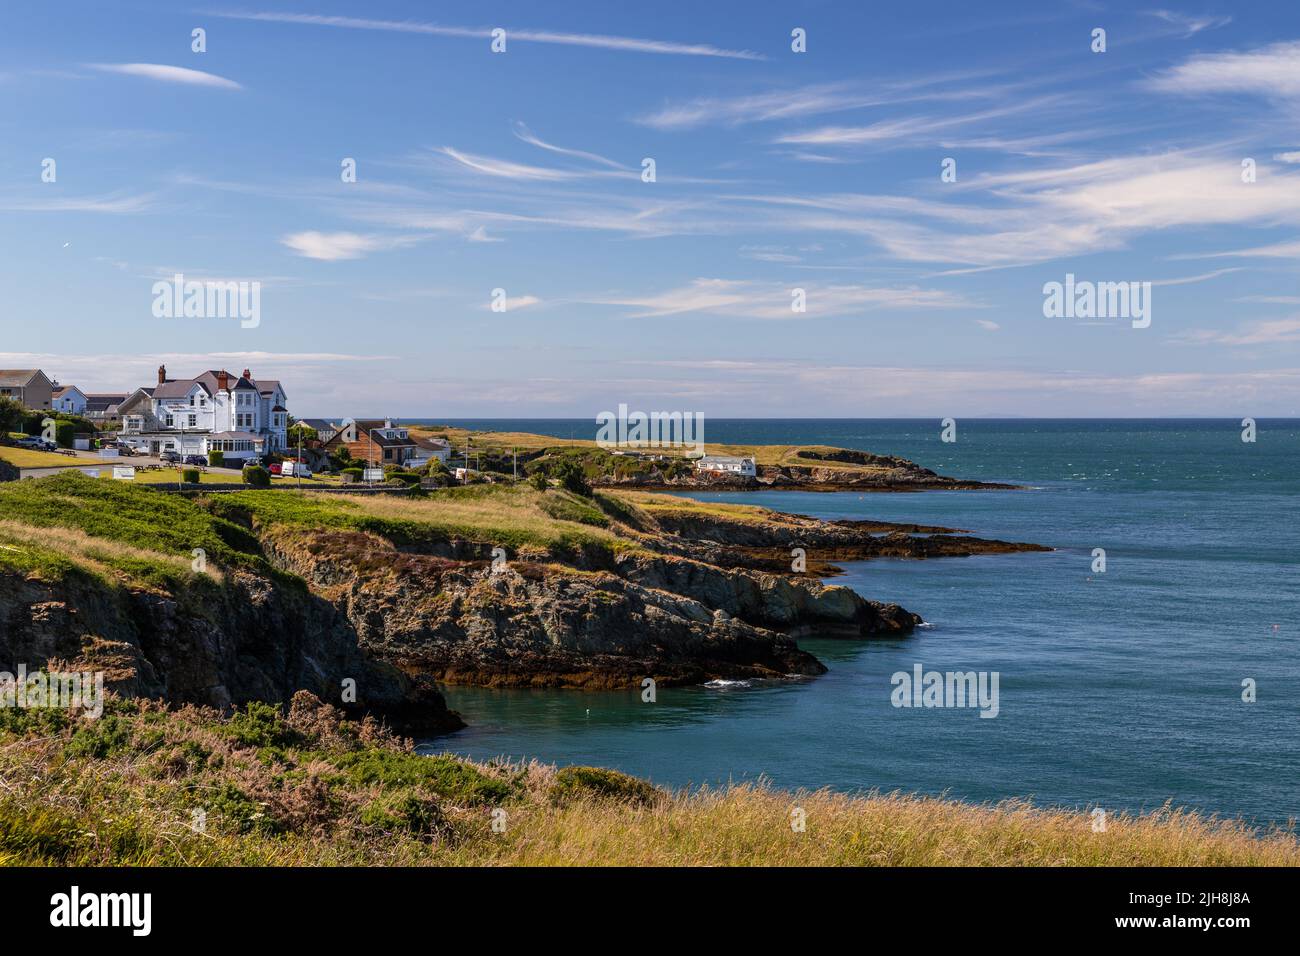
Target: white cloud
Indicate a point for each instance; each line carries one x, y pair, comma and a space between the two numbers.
1293, 157
597, 41
1266, 332
1188, 24
168, 74
987, 325
770, 300
115, 203
525, 134
505, 168
332, 246
1270, 72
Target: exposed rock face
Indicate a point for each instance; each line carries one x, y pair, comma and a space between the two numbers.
772, 601
532, 624
249, 639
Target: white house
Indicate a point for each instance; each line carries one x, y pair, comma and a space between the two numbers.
727, 464
428, 449
214, 411
68, 398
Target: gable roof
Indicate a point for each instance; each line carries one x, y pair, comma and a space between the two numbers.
18, 377
64, 389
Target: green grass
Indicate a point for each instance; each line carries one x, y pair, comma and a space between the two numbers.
145, 522
27, 458
148, 786
512, 516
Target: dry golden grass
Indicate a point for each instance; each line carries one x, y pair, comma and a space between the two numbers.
652, 502
513, 514
310, 790
751, 826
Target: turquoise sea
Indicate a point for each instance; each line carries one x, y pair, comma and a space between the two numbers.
1121, 689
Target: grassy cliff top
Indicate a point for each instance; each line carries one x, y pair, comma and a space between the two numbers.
142, 785
49, 525
526, 443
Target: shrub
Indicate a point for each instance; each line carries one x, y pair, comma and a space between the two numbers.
216, 459
255, 476
352, 474
600, 784
190, 476
11, 414
64, 433
539, 480
405, 477
572, 478
443, 774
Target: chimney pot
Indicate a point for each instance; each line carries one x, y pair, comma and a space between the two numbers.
162, 374
248, 375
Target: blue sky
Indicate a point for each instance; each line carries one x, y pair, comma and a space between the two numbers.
775, 170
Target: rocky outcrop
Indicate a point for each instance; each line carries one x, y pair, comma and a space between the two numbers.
792, 605
246, 639
730, 541
532, 623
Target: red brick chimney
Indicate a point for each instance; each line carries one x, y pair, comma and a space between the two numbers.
248, 375
162, 374
223, 381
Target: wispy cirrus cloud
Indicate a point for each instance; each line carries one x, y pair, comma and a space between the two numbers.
770, 300
526, 135
590, 40
111, 203
167, 74
1190, 24
1264, 332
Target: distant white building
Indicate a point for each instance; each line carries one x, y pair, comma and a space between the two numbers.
428, 449
727, 464
215, 411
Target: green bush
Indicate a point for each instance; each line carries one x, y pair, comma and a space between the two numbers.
600, 784
216, 459
405, 477
190, 476
64, 433
572, 478
539, 480
255, 476
352, 474
443, 774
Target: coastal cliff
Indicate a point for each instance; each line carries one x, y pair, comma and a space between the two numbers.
489, 585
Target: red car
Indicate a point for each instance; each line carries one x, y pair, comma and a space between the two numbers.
273, 468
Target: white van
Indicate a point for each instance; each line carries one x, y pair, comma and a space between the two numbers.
294, 469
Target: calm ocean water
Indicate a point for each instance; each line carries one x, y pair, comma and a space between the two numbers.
1121, 690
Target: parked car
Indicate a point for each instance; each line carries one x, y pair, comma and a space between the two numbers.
199, 460
37, 442
295, 469
171, 457
274, 468
252, 461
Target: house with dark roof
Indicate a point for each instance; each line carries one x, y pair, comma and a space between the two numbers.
27, 386
215, 411
102, 406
